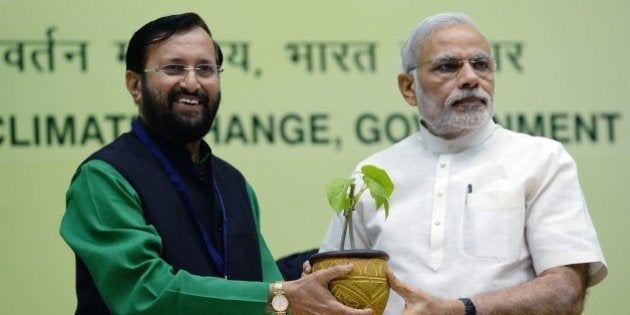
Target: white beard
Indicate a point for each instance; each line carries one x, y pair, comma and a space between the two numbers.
446, 123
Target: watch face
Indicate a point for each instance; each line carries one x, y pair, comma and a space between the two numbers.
279, 303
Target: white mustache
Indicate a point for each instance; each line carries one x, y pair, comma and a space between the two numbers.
478, 93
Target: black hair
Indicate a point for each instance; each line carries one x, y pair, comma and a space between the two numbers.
160, 30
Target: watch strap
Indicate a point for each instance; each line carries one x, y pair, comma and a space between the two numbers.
469, 306
279, 293
277, 288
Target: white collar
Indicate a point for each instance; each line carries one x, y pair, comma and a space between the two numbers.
473, 139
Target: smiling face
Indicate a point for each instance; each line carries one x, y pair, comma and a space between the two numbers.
451, 86
180, 107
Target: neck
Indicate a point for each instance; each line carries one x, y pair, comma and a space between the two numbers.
446, 135
194, 148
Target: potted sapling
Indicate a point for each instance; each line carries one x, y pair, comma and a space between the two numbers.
366, 285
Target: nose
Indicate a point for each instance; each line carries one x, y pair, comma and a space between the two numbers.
190, 82
468, 77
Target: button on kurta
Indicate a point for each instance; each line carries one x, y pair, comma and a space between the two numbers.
436, 253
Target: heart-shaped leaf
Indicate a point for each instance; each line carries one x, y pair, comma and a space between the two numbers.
337, 192
379, 184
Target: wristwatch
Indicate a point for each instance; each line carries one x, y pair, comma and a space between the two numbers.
279, 301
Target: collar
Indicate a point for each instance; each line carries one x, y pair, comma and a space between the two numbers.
473, 139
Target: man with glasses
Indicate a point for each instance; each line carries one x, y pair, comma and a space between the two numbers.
160, 225
482, 218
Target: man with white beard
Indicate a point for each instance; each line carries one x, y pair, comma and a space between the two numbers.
482, 219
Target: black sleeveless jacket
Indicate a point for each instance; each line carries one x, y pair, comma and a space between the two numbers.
182, 243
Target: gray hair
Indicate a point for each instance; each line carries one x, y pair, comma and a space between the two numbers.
410, 50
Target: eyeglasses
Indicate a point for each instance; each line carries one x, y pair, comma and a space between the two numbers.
205, 71
449, 67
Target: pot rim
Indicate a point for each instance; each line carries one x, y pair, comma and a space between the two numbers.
349, 253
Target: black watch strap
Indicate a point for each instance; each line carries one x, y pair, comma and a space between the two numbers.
469, 306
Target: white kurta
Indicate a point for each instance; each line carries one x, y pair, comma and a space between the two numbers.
525, 213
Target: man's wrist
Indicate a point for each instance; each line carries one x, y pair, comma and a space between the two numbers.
279, 301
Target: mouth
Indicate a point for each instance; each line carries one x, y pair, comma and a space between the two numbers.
470, 102
188, 100
188, 105
184, 103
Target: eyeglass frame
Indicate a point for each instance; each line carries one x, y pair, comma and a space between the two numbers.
443, 60
186, 69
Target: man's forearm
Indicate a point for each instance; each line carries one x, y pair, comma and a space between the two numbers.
559, 290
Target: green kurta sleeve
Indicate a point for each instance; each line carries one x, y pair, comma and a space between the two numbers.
271, 272
105, 226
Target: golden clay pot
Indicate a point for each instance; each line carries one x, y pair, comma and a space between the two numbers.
366, 285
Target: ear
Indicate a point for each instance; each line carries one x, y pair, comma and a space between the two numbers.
406, 87
134, 86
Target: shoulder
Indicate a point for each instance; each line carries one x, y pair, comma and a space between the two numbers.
124, 146
405, 148
536, 154
223, 166
527, 144
96, 170
228, 175
525, 139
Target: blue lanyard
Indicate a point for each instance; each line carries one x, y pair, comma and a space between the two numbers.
181, 190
